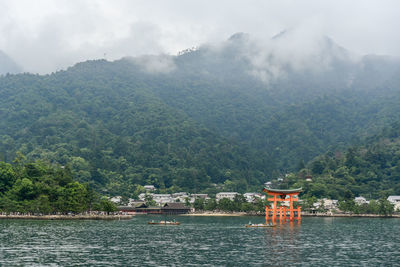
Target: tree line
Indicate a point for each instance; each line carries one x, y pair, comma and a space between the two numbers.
41, 188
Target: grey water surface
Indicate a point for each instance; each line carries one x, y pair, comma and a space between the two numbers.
205, 241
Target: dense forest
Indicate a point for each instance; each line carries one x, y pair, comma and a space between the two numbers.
40, 188
371, 170
204, 121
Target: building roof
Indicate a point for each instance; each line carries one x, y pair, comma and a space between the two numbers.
359, 198
139, 205
283, 191
161, 195
175, 206
252, 194
393, 198
126, 208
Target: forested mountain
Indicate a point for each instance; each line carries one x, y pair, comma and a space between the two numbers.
112, 130
224, 116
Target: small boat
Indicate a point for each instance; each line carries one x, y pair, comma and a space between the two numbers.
165, 222
259, 225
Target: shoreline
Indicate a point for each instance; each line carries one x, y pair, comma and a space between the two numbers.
194, 214
219, 214
66, 217
350, 215
237, 214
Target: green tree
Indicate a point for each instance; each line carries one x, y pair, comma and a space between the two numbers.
23, 189
211, 204
385, 207
149, 200
199, 204
42, 205
7, 177
226, 204
107, 206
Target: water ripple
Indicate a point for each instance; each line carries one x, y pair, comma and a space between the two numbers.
205, 241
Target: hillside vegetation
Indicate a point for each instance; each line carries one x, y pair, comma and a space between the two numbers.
209, 119
371, 170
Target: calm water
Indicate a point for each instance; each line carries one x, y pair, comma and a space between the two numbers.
209, 241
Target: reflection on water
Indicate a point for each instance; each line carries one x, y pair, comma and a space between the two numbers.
282, 240
211, 241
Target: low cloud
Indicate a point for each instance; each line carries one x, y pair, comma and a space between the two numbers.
156, 64
44, 36
301, 49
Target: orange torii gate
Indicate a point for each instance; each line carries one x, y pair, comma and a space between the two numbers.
280, 195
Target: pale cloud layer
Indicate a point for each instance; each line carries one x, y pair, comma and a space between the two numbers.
44, 35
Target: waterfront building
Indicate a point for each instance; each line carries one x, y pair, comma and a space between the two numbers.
326, 204
228, 195
395, 200
174, 208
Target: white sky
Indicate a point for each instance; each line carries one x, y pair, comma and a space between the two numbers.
44, 36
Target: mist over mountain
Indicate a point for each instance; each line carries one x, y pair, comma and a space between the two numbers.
7, 65
226, 116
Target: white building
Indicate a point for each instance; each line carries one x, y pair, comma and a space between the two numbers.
193, 197
228, 195
203, 196
116, 199
325, 203
142, 196
149, 188
395, 200
360, 201
180, 197
268, 184
252, 197
161, 199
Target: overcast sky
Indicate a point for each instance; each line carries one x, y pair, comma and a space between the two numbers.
46, 35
